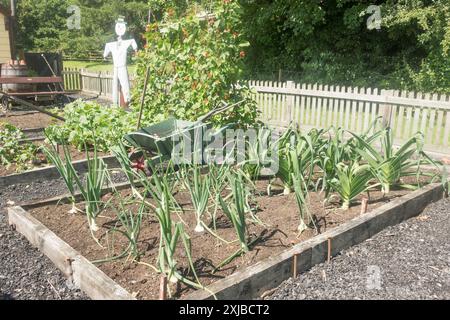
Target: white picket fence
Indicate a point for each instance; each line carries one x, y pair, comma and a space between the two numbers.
95, 83
352, 108
322, 106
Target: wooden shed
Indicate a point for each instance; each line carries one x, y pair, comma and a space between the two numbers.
5, 36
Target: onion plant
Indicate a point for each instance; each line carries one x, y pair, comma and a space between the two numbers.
96, 178
236, 210
218, 179
65, 169
199, 188
351, 180
130, 223
137, 176
170, 234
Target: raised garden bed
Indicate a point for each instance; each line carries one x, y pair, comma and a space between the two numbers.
41, 162
28, 119
268, 263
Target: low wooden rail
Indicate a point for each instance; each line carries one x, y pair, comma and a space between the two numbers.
322, 106
353, 108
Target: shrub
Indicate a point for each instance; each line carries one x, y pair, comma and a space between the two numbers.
195, 64
89, 122
12, 151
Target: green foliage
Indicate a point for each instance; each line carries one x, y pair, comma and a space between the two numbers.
328, 42
88, 123
14, 152
195, 64
43, 24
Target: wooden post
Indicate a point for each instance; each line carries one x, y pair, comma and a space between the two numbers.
163, 287
386, 109
290, 103
294, 266
100, 84
364, 204
329, 250
141, 110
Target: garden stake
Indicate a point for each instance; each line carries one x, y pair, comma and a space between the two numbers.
163, 288
295, 266
69, 266
364, 204
329, 251
147, 75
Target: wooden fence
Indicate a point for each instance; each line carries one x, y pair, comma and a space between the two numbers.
94, 83
321, 106
307, 106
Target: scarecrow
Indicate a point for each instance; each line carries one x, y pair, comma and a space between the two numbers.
119, 52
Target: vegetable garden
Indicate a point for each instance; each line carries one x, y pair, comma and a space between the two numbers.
173, 227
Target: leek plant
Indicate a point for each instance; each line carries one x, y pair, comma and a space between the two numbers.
389, 166
351, 180
301, 184
258, 153
300, 151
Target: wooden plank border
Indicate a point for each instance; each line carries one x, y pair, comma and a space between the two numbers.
50, 172
251, 282
254, 280
83, 274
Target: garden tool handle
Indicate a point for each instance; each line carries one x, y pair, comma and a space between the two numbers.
219, 110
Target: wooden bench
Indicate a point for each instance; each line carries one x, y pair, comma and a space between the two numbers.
36, 95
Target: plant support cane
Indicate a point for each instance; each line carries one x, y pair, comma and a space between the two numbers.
141, 110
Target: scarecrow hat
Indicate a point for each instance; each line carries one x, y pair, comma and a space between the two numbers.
121, 19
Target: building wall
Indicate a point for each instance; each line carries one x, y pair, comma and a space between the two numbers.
5, 49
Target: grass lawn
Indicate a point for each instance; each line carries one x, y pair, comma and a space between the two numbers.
95, 66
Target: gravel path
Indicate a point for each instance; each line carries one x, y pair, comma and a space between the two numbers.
407, 261
25, 273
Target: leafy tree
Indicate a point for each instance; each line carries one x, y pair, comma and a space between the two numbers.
43, 24
195, 63
329, 42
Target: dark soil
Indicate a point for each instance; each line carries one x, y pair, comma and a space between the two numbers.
28, 120
279, 214
407, 261
41, 161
